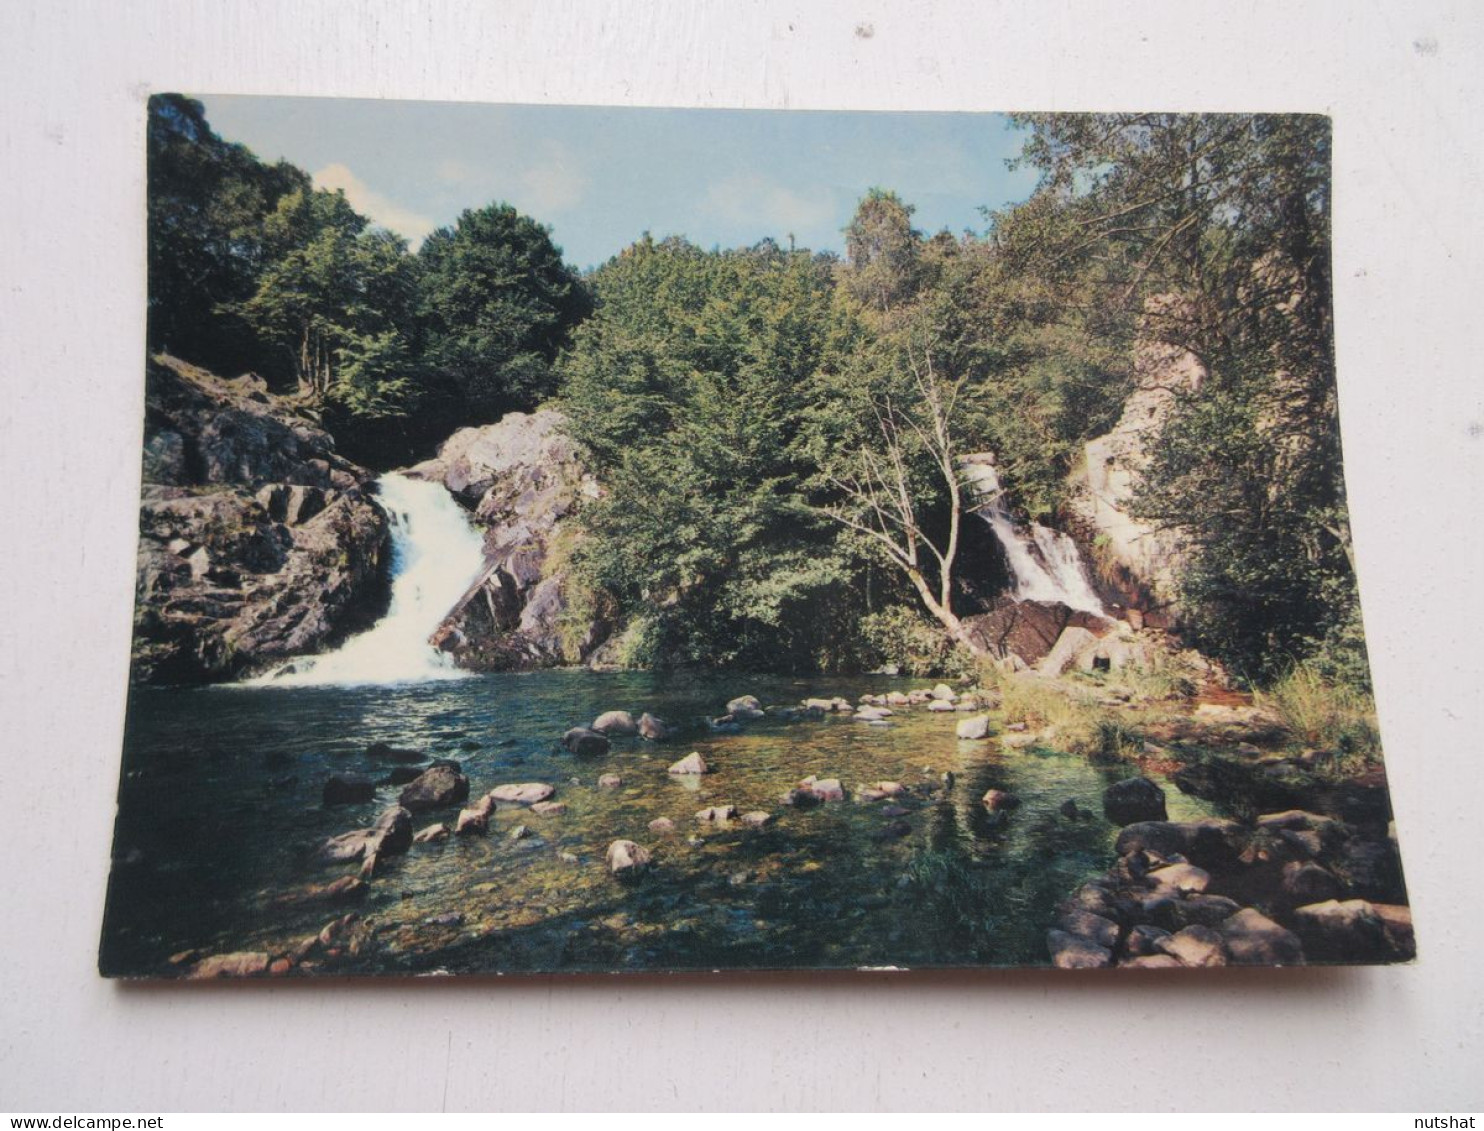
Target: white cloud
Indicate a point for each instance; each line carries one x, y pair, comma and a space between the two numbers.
750, 198
453, 171
367, 201
553, 183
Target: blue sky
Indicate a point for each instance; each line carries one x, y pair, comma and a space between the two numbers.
600, 176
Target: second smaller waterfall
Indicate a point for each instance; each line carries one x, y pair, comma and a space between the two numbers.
1045, 563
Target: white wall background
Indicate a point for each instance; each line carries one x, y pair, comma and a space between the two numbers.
1403, 81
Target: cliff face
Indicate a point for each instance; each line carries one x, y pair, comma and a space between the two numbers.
257, 543
1139, 563
522, 479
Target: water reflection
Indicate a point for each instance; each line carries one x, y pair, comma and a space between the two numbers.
220, 803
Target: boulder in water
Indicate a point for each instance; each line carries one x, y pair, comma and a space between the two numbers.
475, 820
625, 858
975, 727
436, 788
348, 789
692, 763
823, 789
999, 801
744, 706
391, 835
615, 722
653, 728
1134, 800
433, 834
581, 740
525, 793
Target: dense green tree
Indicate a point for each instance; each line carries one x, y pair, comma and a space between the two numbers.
687, 387
497, 305
882, 251
208, 200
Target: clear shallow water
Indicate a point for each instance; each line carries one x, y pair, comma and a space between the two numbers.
220, 803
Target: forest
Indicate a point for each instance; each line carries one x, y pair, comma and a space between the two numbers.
781, 432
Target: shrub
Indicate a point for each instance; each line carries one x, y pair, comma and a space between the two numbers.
903, 638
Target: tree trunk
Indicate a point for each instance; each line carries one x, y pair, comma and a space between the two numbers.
943, 612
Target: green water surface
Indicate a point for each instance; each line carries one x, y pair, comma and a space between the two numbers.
219, 807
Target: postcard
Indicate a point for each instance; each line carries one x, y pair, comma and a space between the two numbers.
592, 539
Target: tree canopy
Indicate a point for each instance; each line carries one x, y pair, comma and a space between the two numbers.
251, 267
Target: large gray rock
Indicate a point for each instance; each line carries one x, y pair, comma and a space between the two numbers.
625, 858
1195, 946
1252, 939
1213, 843
436, 788
653, 728
974, 728
1073, 641
581, 740
523, 479
1146, 559
1072, 952
1348, 931
1026, 631
692, 763
1094, 928
226, 585
1133, 800
615, 722
242, 964
391, 835
522, 793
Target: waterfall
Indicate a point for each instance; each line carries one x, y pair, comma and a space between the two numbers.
1044, 563
436, 555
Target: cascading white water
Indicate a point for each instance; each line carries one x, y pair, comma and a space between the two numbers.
436, 555
1044, 563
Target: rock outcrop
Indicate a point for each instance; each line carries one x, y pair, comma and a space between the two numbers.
1028, 631
1139, 561
257, 542
521, 478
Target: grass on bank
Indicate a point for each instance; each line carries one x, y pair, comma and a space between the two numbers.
1323, 714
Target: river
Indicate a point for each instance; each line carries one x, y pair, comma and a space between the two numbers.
220, 806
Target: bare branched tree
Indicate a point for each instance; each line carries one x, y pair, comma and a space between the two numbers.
882, 503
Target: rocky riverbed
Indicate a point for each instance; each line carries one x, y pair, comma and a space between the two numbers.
572, 820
